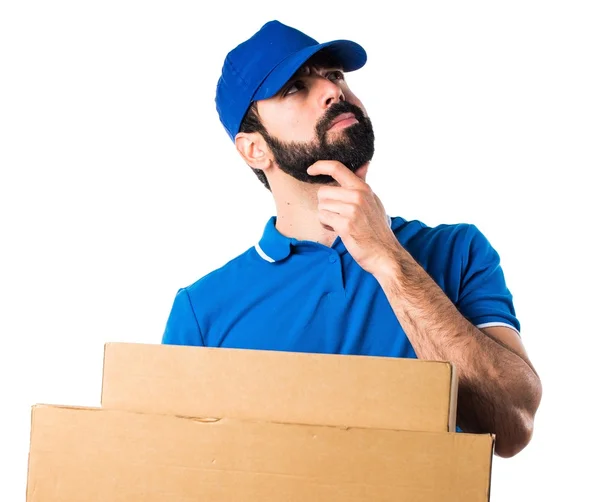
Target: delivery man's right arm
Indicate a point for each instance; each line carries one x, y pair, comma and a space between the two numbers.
182, 325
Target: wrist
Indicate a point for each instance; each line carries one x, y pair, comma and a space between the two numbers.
389, 268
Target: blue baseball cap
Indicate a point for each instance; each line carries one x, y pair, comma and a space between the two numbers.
259, 67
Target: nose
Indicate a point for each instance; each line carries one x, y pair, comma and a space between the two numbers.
329, 93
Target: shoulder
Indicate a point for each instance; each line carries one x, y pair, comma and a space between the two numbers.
223, 278
451, 253
195, 301
441, 238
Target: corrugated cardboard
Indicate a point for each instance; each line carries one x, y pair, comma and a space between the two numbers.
94, 454
322, 389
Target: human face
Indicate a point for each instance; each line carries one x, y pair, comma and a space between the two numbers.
315, 117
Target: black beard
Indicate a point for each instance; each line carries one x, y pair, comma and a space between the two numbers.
354, 146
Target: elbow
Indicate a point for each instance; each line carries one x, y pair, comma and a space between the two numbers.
510, 443
519, 424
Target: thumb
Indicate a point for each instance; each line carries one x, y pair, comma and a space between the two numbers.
361, 172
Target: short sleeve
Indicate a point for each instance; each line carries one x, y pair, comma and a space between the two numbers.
484, 298
182, 326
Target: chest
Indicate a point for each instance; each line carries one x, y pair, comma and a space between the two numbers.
327, 307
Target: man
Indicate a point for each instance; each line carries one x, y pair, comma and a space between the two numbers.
333, 272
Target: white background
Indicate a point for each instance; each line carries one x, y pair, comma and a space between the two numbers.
119, 185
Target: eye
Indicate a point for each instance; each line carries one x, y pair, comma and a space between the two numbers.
293, 88
336, 75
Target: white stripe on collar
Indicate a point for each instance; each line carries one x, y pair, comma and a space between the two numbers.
262, 254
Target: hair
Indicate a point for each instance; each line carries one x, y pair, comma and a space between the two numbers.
251, 121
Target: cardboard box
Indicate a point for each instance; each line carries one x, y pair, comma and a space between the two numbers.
321, 389
94, 454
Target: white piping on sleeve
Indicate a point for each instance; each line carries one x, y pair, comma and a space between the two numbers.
492, 324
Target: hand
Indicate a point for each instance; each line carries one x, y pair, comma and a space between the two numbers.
357, 215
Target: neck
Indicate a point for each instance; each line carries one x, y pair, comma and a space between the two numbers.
297, 214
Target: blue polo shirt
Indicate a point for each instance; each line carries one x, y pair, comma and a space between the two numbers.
302, 296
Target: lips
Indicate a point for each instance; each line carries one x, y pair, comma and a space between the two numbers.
341, 117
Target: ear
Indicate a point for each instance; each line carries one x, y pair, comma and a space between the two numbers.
254, 150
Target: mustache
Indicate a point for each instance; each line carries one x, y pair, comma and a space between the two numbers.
336, 110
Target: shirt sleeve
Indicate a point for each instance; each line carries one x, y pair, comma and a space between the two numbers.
182, 325
484, 297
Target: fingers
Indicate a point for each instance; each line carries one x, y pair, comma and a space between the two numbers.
349, 196
332, 221
347, 211
338, 171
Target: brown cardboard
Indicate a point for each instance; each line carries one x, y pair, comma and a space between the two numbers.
322, 389
95, 454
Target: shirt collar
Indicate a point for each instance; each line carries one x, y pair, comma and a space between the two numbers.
274, 246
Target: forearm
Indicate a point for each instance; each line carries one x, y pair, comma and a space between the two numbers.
497, 388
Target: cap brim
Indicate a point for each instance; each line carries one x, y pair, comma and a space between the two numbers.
348, 54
